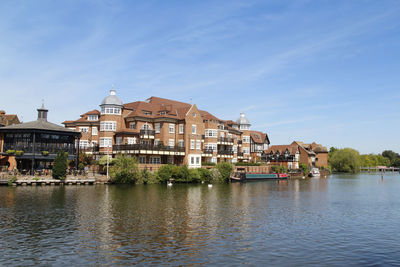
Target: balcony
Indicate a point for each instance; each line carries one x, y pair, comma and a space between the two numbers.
90, 149
225, 153
239, 142
149, 149
149, 134
225, 141
207, 152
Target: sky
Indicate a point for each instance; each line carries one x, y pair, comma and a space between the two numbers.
323, 71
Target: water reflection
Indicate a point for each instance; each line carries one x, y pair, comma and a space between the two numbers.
343, 220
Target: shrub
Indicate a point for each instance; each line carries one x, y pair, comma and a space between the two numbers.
225, 170
19, 152
36, 178
12, 180
45, 153
164, 173
247, 163
275, 168
180, 173
304, 168
282, 169
208, 164
60, 165
345, 160
10, 152
194, 176
81, 166
205, 175
125, 170
148, 177
216, 176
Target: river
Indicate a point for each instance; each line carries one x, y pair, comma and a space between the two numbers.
344, 220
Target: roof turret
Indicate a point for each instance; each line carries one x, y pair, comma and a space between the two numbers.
112, 99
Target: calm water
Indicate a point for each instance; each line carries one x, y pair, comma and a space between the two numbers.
340, 221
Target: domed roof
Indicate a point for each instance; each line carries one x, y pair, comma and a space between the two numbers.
112, 99
242, 120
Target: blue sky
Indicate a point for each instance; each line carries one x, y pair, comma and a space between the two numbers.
324, 71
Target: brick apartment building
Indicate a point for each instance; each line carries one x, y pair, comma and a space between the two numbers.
160, 131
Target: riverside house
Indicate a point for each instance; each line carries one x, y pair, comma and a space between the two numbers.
161, 131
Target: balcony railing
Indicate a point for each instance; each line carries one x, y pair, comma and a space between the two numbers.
208, 151
89, 149
240, 154
147, 132
225, 152
239, 142
225, 139
148, 147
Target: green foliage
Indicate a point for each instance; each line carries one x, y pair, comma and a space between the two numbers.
275, 168
125, 171
180, 174
60, 165
208, 164
247, 163
205, 175
393, 157
85, 159
103, 161
19, 153
148, 177
10, 152
225, 170
36, 178
12, 180
304, 168
164, 173
345, 160
45, 153
282, 169
396, 162
372, 160
81, 166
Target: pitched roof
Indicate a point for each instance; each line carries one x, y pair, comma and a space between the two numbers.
282, 148
38, 125
8, 119
258, 137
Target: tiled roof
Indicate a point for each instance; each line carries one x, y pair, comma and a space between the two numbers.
258, 137
92, 112
8, 119
282, 148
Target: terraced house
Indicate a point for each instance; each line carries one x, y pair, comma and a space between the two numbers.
160, 131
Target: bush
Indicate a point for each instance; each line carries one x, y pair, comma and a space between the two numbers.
194, 176
45, 153
205, 175
60, 165
164, 173
19, 152
247, 163
225, 170
275, 168
304, 168
81, 166
12, 180
125, 170
148, 177
180, 174
208, 164
10, 152
282, 169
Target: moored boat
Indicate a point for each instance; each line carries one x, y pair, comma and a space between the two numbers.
245, 176
314, 172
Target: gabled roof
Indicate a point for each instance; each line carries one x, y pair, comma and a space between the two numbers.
38, 125
92, 112
282, 148
259, 137
8, 119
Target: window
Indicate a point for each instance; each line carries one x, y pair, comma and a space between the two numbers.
211, 146
191, 144
155, 160
246, 139
192, 160
211, 133
93, 117
245, 127
132, 125
235, 149
83, 144
198, 144
131, 140
197, 160
110, 110
105, 142
94, 143
94, 130
84, 129
181, 143
163, 112
157, 127
108, 126
181, 128
246, 150
171, 142
118, 140
142, 160
146, 127
145, 112
194, 129
171, 128
156, 142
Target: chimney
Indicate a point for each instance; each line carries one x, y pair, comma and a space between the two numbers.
42, 113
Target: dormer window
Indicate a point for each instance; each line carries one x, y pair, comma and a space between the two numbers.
145, 112
93, 117
163, 112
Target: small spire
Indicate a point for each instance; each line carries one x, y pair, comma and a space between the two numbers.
42, 103
112, 91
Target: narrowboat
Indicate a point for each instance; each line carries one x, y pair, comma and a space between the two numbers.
246, 176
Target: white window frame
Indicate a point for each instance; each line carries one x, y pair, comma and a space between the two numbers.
114, 110
84, 129
171, 142
211, 133
83, 144
105, 141
131, 140
108, 126
194, 128
155, 160
246, 139
181, 143
156, 142
93, 117
171, 128
181, 128
198, 144
94, 130
132, 125
157, 127
192, 144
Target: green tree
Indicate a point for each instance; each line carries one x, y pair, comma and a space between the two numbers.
304, 168
148, 177
60, 165
164, 173
345, 160
205, 175
125, 170
391, 155
225, 170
